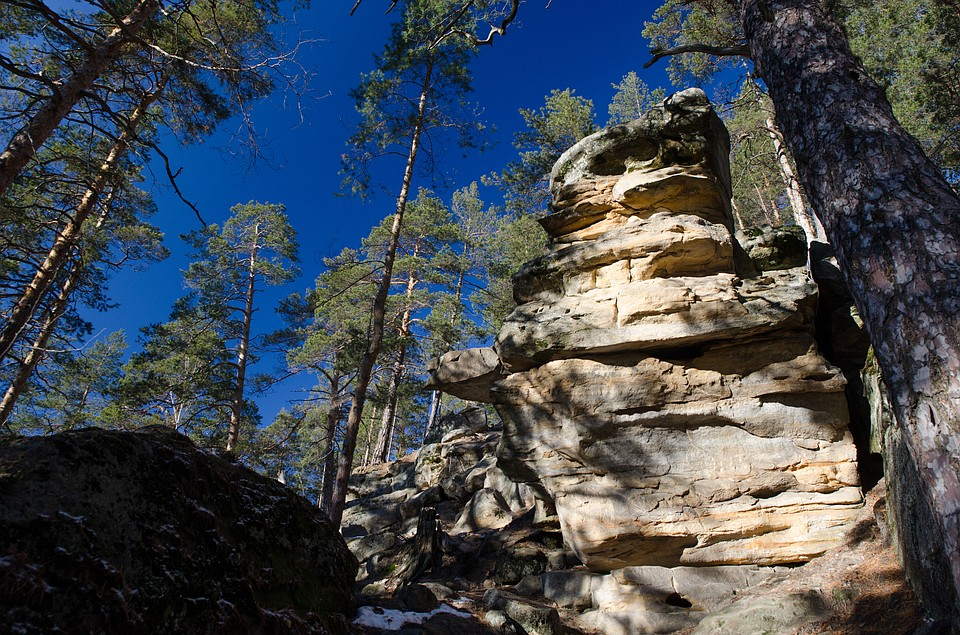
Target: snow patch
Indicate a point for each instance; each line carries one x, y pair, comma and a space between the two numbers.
392, 619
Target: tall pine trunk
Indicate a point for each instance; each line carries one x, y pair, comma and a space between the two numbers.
31, 297
54, 312
329, 445
808, 222
35, 355
375, 338
894, 223
25, 142
243, 348
384, 439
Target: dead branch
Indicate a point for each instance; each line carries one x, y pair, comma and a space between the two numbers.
740, 50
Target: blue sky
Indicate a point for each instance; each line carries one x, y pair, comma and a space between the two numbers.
571, 44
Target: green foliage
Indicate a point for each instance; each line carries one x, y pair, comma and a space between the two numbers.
414, 66
758, 186
564, 119
909, 48
77, 389
191, 368
632, 99
517, 240
683, 22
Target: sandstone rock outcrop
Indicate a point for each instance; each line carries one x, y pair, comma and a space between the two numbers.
667, 395
142, 532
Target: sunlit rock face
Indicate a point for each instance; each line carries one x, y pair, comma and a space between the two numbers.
669, 398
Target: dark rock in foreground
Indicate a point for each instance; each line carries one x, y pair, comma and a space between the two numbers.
144, 533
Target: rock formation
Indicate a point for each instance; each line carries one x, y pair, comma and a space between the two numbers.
143, 532
668, 396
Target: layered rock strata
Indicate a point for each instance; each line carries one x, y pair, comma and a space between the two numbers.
668, 396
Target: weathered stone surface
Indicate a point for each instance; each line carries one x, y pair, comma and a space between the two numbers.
535, 619
142, 532
569, 589
773, 248
465, 374
767, 615
663, 245
695, 460
674, 159
486, 509
656, 314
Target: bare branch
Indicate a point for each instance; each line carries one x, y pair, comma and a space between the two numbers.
741, 50
172, 176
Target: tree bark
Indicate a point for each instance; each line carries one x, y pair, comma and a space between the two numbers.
329, 440
894, 223
381, 451
25, 142
30, 298
375, 339
385, 437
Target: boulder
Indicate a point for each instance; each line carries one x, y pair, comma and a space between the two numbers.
143, 532
465, 374
486, 510
773, 248
534, 618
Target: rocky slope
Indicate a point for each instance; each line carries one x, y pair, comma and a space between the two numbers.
500, 566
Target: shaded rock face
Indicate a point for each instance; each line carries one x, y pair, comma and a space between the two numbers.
143, 532
670, 399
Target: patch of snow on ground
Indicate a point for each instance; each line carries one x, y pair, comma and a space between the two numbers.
392, 619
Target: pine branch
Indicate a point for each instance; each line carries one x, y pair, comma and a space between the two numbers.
740, 50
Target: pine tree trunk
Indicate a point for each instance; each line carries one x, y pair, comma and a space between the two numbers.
375, 339
812, 228
894, 223
24, 144
435, 397
31, 297
381, 451
329, 445
243, 348
35, 355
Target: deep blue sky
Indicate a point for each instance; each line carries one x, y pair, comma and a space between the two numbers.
584, 46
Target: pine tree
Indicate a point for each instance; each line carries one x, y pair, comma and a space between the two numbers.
632, 99
420, 84
194, 368
564, 119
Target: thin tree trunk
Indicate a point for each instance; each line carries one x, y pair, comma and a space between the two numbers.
243, 348
736, 213
330, 455
435, 397
894, 223
37, 351
385, 437
381, 451
368, 443
763, 205
812, 228
375, 340
24, 144
22, 312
